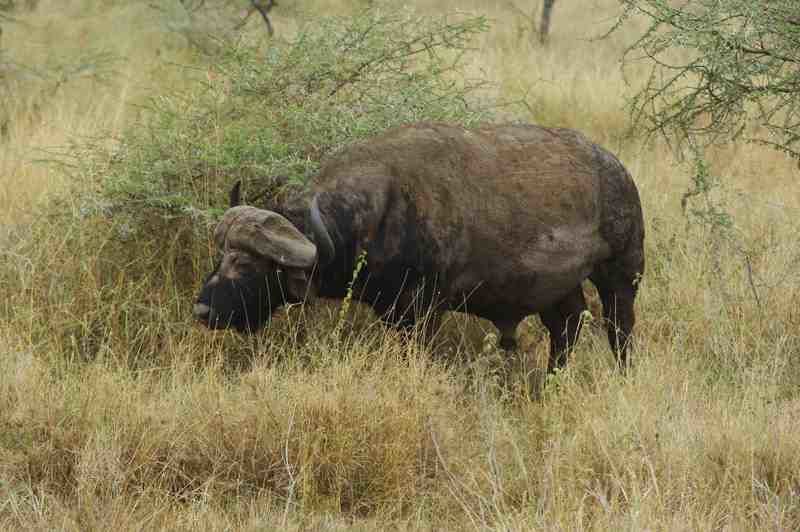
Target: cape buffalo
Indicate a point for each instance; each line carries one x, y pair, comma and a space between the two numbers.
501, 221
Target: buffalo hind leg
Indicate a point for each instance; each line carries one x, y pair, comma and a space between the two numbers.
619, 318
563, 321
508, 334
617, 293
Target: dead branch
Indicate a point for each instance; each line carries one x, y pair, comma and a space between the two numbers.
263, 9
544, 28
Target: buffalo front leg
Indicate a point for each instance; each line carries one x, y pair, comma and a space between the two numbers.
563, 321
422, 328
412, 311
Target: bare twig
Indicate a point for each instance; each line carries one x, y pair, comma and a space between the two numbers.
750, 279
453, 483
263, 9
290, 472
744, 73
544, 27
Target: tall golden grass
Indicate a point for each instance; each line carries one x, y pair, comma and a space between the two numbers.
367, 431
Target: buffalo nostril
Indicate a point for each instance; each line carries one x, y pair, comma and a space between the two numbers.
201, 311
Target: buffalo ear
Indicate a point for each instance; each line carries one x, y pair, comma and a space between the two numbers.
235, 195
298, 286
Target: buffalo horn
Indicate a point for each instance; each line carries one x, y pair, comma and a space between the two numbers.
266, 234
321, 236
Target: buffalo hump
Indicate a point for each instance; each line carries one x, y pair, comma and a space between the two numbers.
492, 209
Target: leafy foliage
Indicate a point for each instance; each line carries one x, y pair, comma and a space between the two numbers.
719, 70
259, 110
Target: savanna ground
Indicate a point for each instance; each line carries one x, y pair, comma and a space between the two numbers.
118, 412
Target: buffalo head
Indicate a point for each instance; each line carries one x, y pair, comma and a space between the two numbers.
266, 261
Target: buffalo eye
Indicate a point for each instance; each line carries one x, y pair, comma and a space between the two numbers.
241, 262
247, 264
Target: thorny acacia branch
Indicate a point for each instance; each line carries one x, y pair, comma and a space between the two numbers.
719, 71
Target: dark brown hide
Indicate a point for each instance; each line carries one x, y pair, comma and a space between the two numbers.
507, 221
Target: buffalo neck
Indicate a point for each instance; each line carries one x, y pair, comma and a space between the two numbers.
339, 218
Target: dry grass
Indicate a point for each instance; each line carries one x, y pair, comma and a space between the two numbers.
40, 114
109, 424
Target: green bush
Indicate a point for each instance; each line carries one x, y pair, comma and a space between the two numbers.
120, 257
278, 108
